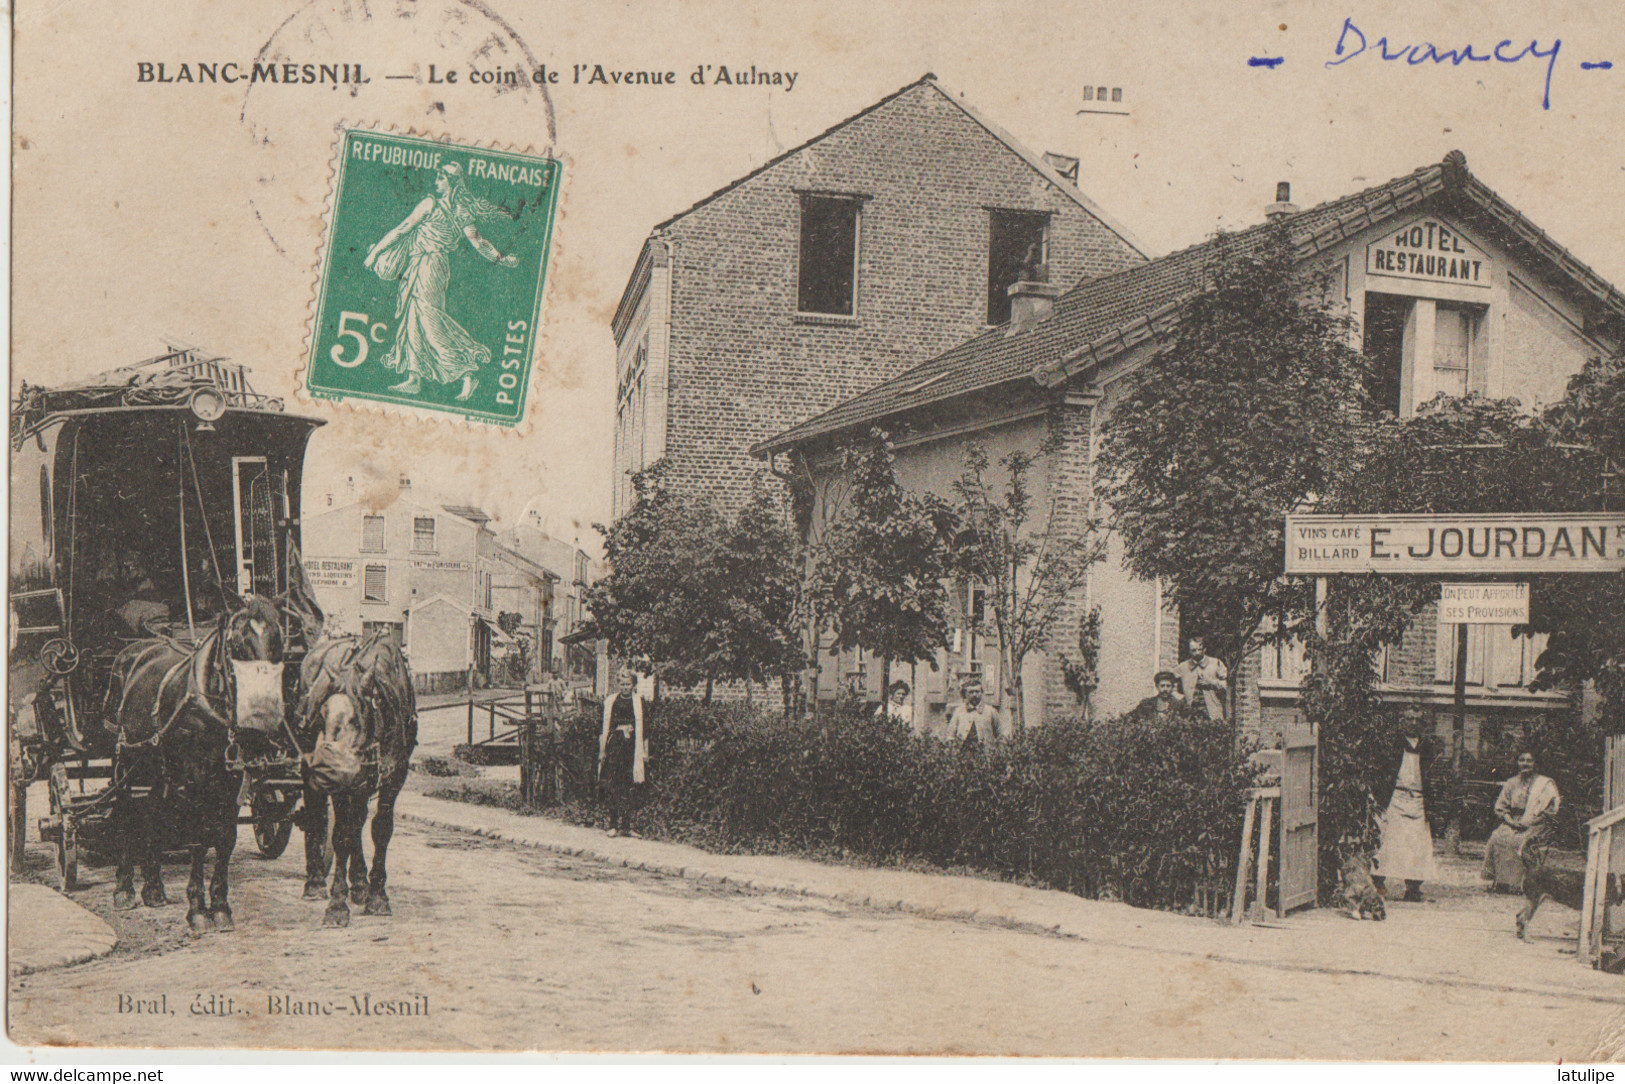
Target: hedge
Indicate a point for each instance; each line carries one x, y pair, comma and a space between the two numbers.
1124, 808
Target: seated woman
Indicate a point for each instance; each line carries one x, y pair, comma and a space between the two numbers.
1527, 805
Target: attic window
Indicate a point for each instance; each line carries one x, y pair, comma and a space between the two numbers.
926, 383
828, 279
1016, 243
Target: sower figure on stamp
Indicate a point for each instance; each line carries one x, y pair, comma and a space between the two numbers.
428, 342
623, 752
1407, 842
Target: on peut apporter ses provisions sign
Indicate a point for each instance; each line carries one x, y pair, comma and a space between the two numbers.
1453, 545
1483, 603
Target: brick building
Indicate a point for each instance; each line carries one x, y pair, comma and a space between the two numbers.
1523, 319
834, 266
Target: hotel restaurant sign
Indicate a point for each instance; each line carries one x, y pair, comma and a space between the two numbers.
1448, 545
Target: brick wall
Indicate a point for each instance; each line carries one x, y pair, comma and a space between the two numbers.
744, 367
1070, 428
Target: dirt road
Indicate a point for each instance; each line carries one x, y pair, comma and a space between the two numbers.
500, 947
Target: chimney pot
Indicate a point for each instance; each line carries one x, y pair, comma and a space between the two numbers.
1283, 206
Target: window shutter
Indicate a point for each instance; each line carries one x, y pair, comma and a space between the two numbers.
375, 583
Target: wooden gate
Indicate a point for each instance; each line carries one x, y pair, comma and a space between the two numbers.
1300, 808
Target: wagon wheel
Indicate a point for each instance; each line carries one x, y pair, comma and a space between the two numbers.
272, 827
67, 839
17, 803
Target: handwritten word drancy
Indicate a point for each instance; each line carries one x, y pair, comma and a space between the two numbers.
1352, 42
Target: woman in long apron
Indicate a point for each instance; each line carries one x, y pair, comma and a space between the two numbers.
1407, 841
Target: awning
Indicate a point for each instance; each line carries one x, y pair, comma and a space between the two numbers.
583, 633
498, 637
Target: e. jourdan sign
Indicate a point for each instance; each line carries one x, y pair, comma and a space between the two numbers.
1322, 545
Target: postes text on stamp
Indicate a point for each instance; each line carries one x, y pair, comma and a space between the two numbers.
431, 280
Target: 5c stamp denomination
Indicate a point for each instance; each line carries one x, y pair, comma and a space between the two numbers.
431, 280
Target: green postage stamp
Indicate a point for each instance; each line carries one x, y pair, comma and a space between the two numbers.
431, 280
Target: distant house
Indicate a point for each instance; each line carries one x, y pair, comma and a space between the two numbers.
1455, 291
887, 238
433, 576
562, 643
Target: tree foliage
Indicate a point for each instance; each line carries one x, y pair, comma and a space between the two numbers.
1582, 613
1029, 564
876, 569
1252, 409
705, 598
755, 637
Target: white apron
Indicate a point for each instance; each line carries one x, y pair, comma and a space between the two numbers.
1407, 845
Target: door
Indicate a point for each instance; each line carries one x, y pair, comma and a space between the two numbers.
1300, 805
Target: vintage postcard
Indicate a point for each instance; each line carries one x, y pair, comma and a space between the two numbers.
845, 528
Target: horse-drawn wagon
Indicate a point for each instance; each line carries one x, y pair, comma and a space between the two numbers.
146, 504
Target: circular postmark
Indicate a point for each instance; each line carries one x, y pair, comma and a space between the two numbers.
454, 68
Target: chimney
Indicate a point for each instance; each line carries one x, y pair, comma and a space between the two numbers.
1283, 206
1031, 304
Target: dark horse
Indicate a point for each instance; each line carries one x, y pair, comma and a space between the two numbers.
175, 710
359, 717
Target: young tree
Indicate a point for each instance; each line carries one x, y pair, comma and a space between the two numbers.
1027, 565
705, 598
660, 592
876, 572
1253, 409
1582, 613
754, 636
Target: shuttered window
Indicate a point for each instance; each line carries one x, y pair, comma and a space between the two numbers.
375, 584
372, 533
423, 533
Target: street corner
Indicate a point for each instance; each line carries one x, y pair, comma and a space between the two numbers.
46, 929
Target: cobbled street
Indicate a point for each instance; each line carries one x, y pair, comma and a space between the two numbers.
513, 948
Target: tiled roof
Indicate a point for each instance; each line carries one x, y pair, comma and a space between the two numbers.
1100, 318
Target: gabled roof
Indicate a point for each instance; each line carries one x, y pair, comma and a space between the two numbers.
1044, 169
1101, 318
526, 564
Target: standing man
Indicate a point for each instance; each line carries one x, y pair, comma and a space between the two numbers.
554, 690
1166, 705
972, 720
1407, 842
1204, 682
